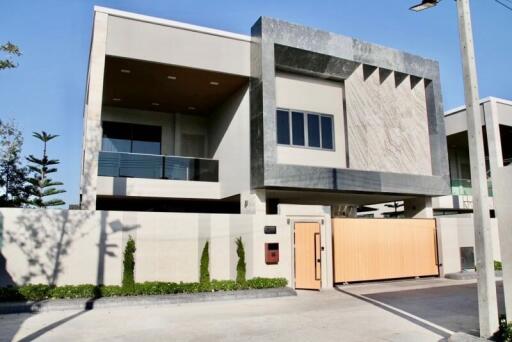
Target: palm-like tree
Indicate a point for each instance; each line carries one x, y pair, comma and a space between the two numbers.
41, 186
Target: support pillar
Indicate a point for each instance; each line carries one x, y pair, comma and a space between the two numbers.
92, 113
419, 207
501, 198
253, 202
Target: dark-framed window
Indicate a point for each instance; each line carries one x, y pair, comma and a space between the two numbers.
131, 138
305, 129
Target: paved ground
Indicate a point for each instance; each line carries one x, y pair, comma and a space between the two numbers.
419, 310
311, 316
436, 301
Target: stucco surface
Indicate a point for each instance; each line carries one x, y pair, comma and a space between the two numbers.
86, 247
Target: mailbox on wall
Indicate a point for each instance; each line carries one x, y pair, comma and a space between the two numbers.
272, 253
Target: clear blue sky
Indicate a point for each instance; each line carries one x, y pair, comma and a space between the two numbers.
46, 92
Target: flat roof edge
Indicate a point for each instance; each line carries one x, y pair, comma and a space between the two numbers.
172, 23
482, 101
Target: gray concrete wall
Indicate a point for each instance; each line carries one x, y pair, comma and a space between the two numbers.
86, 247
282, 46
454, 232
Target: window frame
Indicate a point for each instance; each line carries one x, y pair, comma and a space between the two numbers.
306, 129
131, 126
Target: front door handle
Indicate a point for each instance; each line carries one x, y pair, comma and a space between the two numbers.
317, 255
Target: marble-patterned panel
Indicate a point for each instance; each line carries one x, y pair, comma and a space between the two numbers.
387, 124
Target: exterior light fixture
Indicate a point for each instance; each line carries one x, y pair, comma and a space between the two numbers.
125, 71
171, 77
116, 99
155, 104
424, 5
213, 83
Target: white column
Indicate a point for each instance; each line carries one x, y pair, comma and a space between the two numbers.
487, 302
501, 198
93, 106
253, 202
420, 207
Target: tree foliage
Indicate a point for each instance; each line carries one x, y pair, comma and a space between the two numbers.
13, 188
204, 273
129, 264
240, 266
41, 186
9, 50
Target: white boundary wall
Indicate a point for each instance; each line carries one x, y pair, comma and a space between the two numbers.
455, 232
86, 247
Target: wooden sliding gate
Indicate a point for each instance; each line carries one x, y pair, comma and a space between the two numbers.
372, 249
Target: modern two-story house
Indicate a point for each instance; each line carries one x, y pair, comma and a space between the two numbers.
193, 134
186, 118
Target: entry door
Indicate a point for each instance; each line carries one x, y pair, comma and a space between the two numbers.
307, 255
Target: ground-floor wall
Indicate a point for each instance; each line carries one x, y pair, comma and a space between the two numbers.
86, 247
454, 232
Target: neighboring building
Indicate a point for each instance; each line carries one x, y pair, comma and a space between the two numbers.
496, 116
185, 118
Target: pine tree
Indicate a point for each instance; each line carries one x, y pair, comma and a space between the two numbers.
41, 186
9, 50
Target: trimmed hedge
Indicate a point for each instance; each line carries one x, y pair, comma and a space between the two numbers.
42, 292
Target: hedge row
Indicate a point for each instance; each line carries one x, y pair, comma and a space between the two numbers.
41, 292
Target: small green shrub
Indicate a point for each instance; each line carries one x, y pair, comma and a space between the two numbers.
240, 266
497, 265
504, 334
129, 264
266, 283
75, 291
36, 292
41, 292
204, 274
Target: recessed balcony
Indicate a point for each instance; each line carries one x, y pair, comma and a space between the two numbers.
135, 165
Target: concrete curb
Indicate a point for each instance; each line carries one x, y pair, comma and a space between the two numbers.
112, 302
469, 275
463, 337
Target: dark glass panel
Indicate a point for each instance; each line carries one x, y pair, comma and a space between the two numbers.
313, 130
327, 134
283, 127
298, 128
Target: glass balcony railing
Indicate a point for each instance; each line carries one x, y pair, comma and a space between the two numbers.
133, 165
462, 187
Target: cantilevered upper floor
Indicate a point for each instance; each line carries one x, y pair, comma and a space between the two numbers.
177, 111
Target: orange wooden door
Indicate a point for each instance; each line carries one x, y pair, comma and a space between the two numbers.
307, 255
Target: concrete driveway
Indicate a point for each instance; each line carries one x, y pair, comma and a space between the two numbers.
441, 303
311, 316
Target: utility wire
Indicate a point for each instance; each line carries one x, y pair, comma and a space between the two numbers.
504, 5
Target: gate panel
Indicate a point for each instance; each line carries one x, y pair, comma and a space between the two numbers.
371, 249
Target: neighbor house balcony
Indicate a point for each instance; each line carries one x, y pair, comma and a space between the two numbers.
462, 187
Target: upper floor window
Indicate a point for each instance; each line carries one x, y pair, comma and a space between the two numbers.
297, 128
131, 138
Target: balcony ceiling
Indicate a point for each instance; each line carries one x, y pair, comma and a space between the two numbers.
166, 88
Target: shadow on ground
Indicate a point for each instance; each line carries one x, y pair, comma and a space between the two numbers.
452, 307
